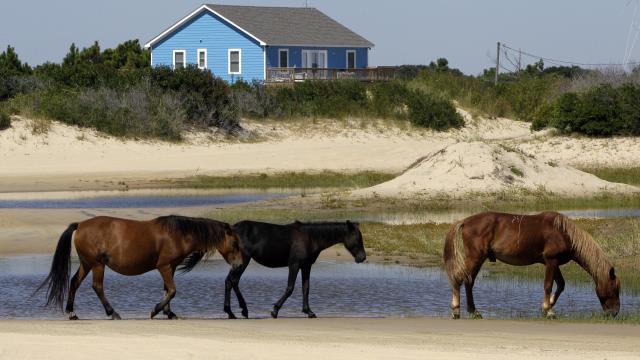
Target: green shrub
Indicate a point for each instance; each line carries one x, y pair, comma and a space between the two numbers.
335, 99
600, 111
432, 112
255, 100
5, 121
138, 112
205, 98
389, 99
518, 97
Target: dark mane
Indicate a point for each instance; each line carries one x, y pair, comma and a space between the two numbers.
205, 233
324, 230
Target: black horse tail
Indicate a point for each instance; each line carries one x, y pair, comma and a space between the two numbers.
58, 280
191, 261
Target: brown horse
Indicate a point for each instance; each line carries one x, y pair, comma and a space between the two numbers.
133, 247
549, 238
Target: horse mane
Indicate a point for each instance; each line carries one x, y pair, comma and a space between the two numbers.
323, 230
586, 249
205, 233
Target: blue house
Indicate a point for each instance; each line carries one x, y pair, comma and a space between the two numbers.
262, 43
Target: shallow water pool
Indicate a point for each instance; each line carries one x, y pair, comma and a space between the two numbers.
337, 290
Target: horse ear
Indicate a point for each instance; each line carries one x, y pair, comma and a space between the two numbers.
350, 226
612, 273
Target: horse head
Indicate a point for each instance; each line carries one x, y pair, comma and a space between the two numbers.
608, 291
353, 242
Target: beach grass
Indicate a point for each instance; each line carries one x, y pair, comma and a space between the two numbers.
286, 180
624, 175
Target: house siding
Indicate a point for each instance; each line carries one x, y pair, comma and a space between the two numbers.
337, 56
207, 31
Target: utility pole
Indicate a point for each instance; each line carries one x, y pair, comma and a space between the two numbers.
519, 60
495, 81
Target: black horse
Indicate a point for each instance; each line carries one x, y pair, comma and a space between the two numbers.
295, 245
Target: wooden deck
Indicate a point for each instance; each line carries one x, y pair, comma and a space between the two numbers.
291, 75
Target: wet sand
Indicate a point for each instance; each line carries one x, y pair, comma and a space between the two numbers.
351, 338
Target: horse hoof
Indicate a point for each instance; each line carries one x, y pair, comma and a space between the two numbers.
73, 316
551, 316
232, 316
245, 313
172, 316
455, 316
311, 315
274, 314
115, 316
153, 314
476, 315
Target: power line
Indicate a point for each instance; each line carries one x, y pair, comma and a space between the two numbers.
558, 62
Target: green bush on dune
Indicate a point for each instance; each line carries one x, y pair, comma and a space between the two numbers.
117, 92
600, 111
347, 98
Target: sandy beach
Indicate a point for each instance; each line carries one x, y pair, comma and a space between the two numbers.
411, 338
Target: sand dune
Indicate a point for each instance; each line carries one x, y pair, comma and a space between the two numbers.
70, 158
483, 168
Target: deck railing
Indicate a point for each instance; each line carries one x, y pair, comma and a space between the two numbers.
290, 75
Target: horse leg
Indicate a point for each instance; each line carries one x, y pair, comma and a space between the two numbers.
559, 279
293, 273
473, 268
231, 282
306, 274
228, 285
98, 279
77, 279
167, 276
167, 309
455, 299
550, 269
235, 281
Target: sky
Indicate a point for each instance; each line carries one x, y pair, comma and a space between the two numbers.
404, 31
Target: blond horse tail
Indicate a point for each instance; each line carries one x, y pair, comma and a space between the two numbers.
454, 258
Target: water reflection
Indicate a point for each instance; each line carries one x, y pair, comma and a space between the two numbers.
126, 201
337, 290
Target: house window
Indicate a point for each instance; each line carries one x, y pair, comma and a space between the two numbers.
179, 57
235, 61
202, 58
351, 59
283, 58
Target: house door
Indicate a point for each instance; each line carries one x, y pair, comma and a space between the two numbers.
314, 59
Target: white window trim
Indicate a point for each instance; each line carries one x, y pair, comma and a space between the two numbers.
239, 61
355, 59
173, 58
280, 51
206, 61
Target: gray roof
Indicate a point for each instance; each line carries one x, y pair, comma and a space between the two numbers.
290, 26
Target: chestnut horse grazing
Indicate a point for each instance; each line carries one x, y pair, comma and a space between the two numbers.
133, 247
548, 238
296, 246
